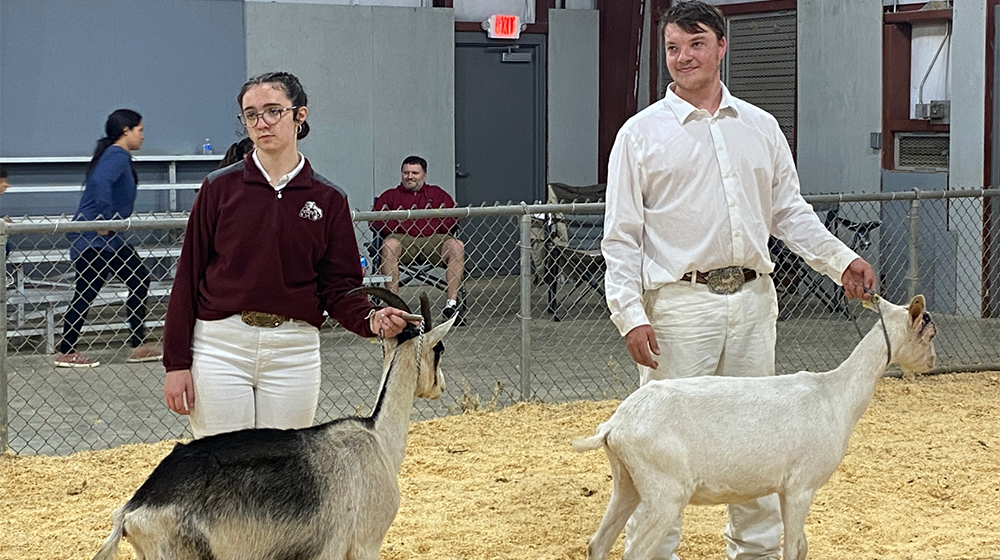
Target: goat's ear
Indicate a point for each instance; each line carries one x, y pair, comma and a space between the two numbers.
916, 308
439, 332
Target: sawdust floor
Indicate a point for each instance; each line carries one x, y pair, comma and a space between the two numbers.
921, 480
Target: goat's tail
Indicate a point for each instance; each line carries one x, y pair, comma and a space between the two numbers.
109, 549
593, 442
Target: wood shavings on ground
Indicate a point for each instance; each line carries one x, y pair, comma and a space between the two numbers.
921, 481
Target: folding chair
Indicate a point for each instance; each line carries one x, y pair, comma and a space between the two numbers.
573, 248
415, 273
791, 271
418, 273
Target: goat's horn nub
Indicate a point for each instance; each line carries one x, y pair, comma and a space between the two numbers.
390, 299
425, 310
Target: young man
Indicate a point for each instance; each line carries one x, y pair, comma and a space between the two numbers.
696, 184
424, 239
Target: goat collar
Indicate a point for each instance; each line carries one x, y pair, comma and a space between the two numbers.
874, 304
416, 332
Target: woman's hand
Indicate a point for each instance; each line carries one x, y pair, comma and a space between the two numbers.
178, 391
388, 322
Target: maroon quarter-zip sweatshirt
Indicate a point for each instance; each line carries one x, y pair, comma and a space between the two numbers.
250, 248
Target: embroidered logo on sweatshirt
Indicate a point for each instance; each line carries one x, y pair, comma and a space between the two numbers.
311, 211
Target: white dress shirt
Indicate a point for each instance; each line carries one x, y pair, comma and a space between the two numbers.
284, 179
691, 191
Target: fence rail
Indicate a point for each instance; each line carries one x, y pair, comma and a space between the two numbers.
536, 325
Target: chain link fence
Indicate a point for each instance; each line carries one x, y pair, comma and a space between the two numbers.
534, 321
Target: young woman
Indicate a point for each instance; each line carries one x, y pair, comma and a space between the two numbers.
108, 194
269, 247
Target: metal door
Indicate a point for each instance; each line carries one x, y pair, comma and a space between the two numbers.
499, 139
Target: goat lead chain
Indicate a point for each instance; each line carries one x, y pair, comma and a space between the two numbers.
875, 302
420, 345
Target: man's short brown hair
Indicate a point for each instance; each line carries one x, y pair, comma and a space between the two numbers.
693, 14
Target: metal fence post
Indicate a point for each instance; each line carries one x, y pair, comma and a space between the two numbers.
913, 271
525, 306
3, 337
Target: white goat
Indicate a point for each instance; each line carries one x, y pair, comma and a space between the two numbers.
716, 440
326, 492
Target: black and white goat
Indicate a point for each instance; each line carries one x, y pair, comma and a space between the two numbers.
717, 440
328, 492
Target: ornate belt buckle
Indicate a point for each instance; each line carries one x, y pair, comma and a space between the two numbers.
258, 319
727, 280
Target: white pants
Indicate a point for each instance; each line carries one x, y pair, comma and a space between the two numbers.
253, 377
701, 333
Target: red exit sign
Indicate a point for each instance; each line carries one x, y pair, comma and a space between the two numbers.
504, 27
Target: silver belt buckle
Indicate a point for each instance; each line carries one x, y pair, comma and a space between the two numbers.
724, 281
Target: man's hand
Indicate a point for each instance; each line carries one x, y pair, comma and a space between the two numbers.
642, 346
858, 276
178, 391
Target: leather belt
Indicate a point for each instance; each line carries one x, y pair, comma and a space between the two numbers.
727, 280
258, 319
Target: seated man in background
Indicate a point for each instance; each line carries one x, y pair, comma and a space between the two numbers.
424, 239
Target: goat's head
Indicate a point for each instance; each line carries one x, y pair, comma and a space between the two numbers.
912, 333
421, 347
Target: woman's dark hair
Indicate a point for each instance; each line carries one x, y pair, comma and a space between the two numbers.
692, 15
236, 152
289, 84
114, 128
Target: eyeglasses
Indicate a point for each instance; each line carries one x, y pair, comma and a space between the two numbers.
271, 116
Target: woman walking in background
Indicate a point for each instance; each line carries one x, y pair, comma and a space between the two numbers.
109, 194
269, 247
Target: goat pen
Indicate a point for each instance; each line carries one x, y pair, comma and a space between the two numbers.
937, 243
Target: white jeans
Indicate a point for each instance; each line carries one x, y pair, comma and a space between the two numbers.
701, 333
253, 377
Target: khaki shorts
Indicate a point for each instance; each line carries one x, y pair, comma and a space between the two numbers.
422, 249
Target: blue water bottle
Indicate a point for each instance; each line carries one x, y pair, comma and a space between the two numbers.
206, 148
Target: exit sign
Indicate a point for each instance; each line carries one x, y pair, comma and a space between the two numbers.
504, 27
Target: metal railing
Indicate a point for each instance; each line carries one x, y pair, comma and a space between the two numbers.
535, 323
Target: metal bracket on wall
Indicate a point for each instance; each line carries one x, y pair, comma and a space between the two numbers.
875, 140
511, 53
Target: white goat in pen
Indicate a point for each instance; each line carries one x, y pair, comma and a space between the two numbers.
717, 440
326, 492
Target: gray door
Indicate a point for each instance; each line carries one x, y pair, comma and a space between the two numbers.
499, 139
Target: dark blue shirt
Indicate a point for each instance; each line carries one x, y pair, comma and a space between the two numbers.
108, 195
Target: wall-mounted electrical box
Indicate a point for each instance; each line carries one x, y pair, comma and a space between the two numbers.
936, 111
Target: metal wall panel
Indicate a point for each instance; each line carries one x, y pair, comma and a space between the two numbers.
839, 95
760, 64
67, 64
572, 96
380, 83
